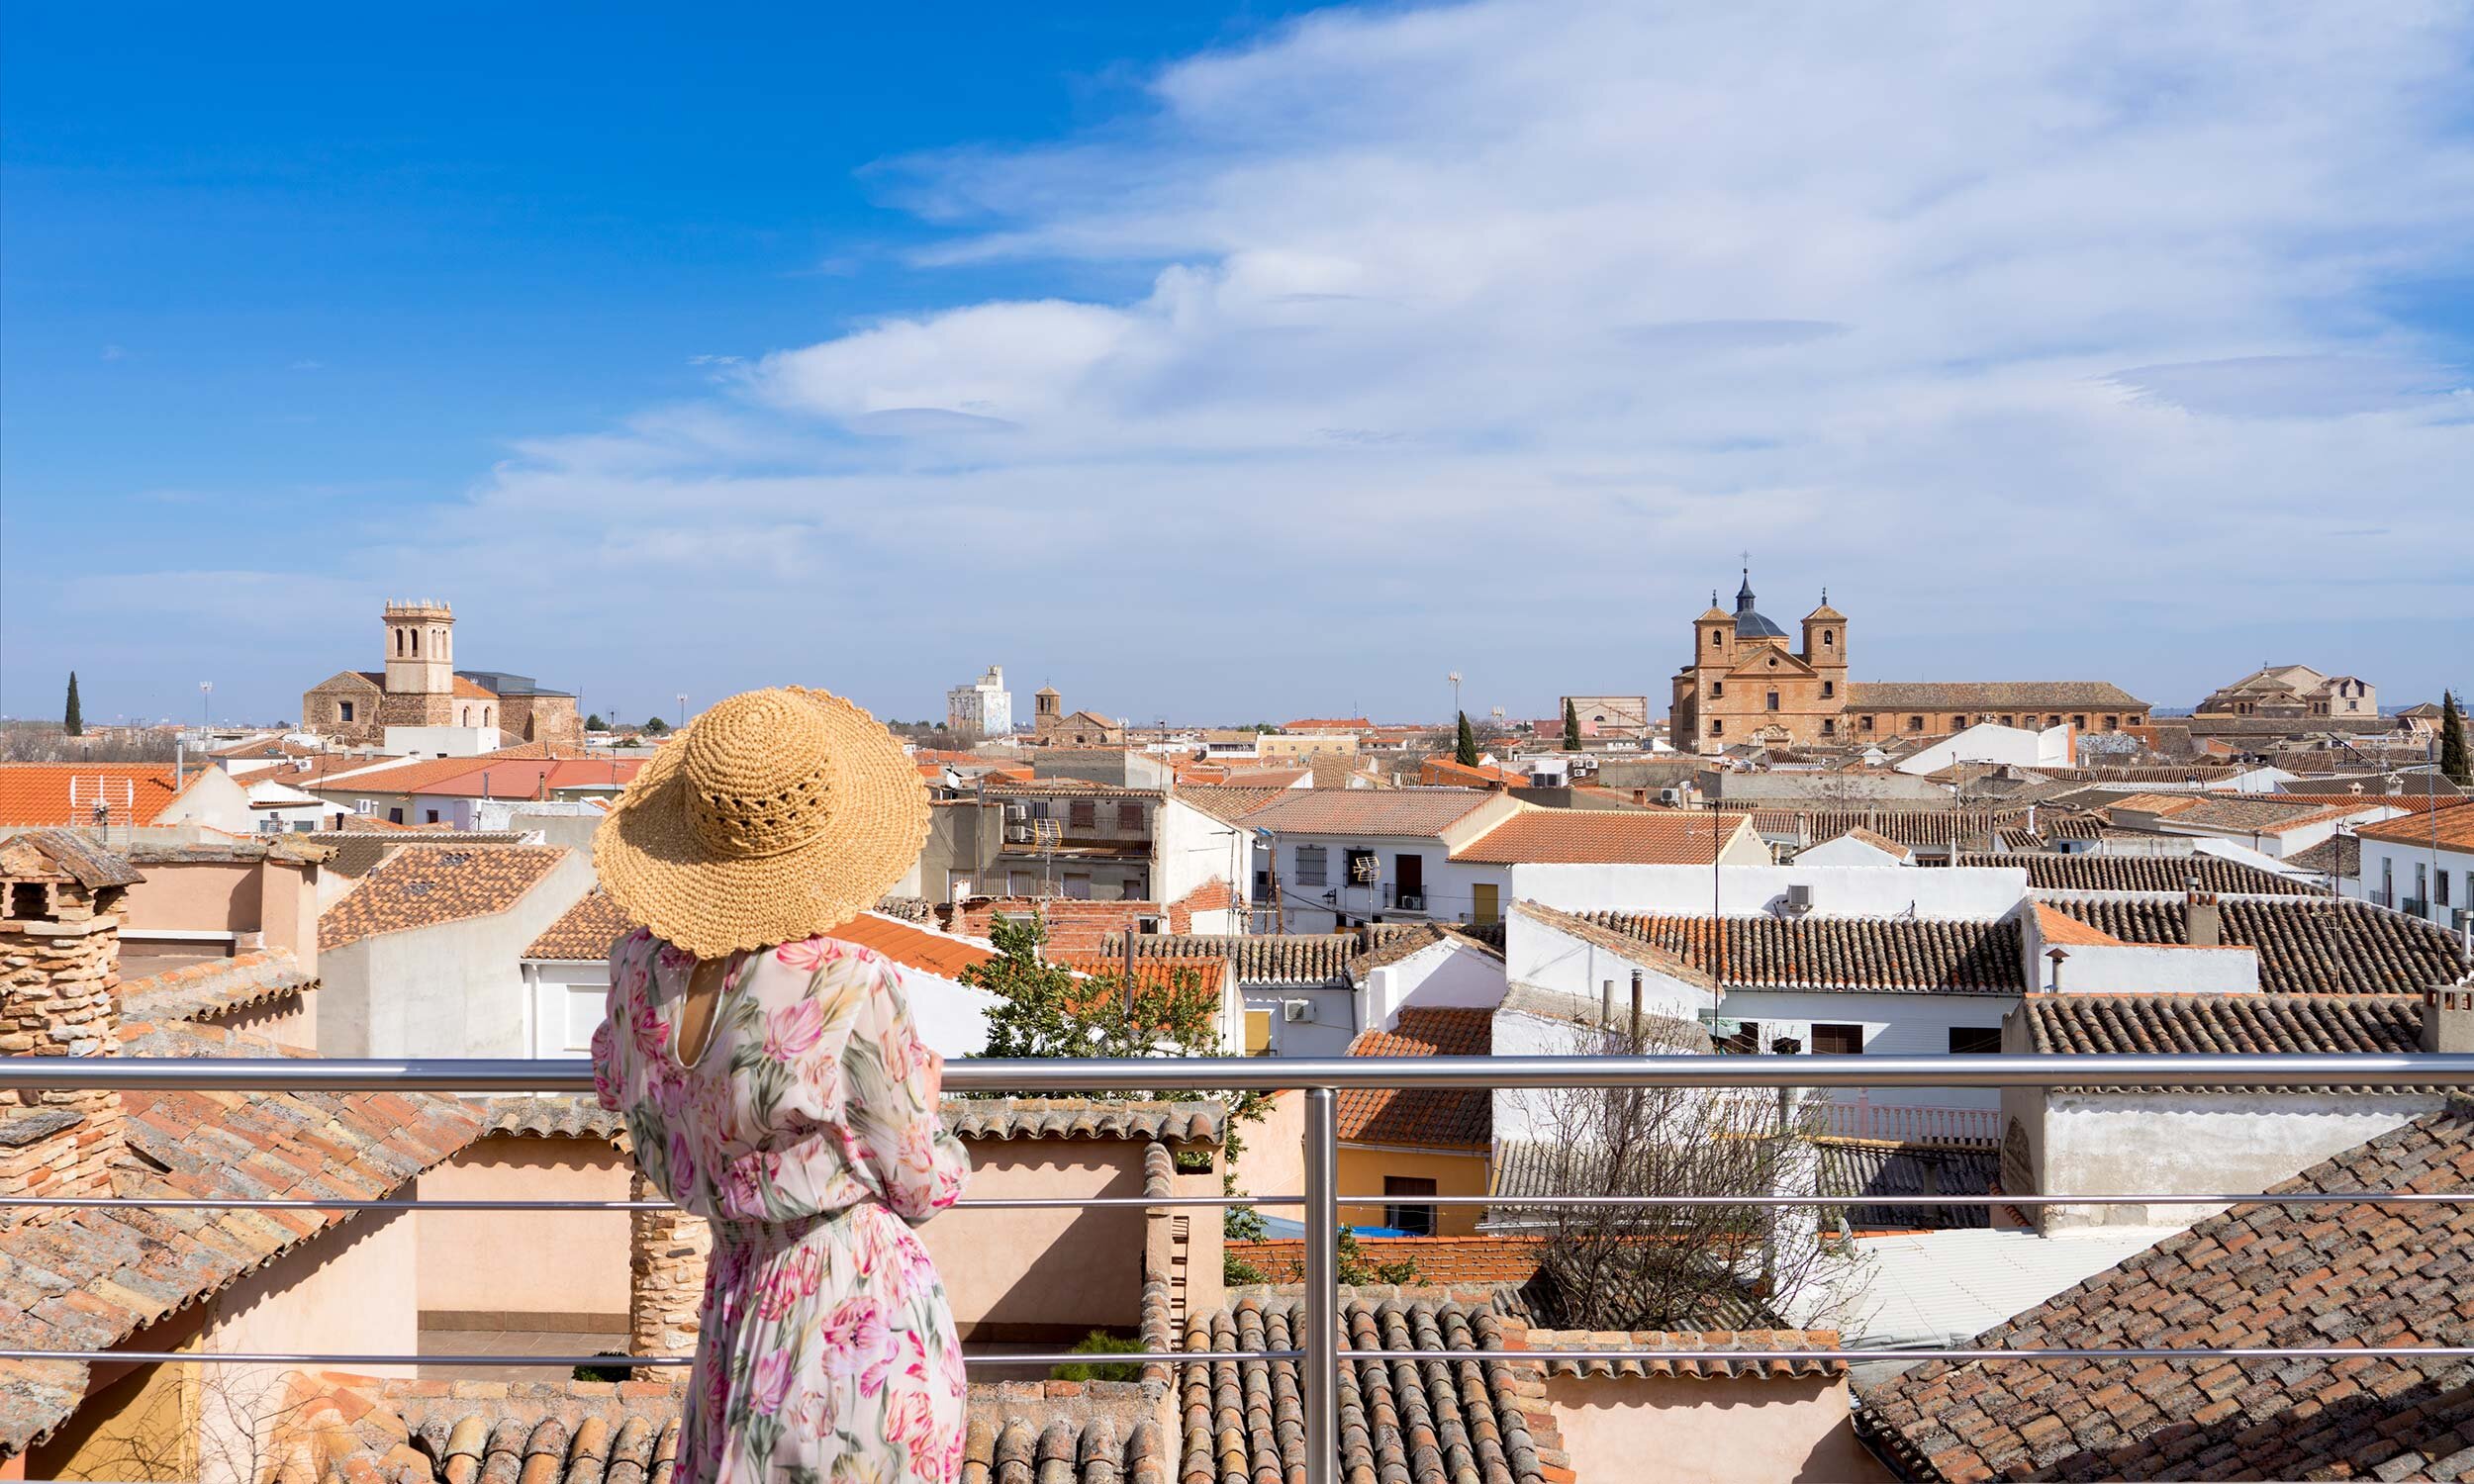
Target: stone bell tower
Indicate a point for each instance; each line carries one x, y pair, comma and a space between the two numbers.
421, 665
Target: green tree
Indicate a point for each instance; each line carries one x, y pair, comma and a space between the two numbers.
657, 728
594, 723
1572, 727
73, 720
1043, 1010
2452, 759
1465, 745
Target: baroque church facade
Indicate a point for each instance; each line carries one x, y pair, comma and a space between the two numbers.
1744, 685
420, 685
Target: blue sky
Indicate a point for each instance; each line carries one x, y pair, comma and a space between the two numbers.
1231, 363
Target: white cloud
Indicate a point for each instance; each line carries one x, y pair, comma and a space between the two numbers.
1466, 323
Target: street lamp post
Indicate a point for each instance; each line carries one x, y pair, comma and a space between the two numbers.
1455, 678
206, 693
683, 711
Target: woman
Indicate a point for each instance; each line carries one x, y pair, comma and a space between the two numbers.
774, 1084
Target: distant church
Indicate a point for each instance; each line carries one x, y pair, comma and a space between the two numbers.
1743, 685
421, 686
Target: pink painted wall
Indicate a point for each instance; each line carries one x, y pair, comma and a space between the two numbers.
527, 1270
1759, 1431
277, 898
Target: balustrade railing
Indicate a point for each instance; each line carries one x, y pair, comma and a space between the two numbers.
1319, 1354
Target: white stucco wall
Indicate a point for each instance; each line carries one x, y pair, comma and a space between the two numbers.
1440, 976
1965, 892
2400, 870
2155, 968
2195, 1143
1848, 851
457, 989
1991, 742
1331, 1019
1895, 1025
1190, 848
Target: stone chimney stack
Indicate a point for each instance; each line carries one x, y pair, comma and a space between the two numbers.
59, 976
2448, 1019
2203, 920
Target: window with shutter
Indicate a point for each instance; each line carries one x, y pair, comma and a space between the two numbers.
1083, 814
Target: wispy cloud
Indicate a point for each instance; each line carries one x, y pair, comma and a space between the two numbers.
1462, 321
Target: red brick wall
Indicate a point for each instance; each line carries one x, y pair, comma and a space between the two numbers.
1442, 1262
1212, 895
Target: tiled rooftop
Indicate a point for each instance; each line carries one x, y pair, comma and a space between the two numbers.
2306, 946
1636, 837
421, 888
1086, 1117
39, 792
586, 932
1435, 1117
1439, 1421
2452, 825
2223, 1024
1913, 956
1749, 1367
2261, 1275
357, 851
1859, 1167
2161, 874
1368, 811
218, 986
1262, 958
913, 945
1929, 695
86, 1279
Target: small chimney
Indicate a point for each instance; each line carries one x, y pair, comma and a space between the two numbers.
59, 973
2057, 956
2448, 1020
2203, 920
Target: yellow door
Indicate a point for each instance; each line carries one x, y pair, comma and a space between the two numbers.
1489, 907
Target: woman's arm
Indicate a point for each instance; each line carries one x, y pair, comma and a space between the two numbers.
891, 1082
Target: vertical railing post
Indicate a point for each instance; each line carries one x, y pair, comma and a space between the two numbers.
1318, 1371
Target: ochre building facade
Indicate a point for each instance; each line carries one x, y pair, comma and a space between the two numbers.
1745, 684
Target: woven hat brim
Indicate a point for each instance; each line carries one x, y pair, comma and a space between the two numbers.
650, 862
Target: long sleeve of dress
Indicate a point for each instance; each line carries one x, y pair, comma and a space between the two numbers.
891, 1082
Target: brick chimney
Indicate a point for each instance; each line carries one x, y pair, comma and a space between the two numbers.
59, 973
2203, 920
666, 1254
2448, 1019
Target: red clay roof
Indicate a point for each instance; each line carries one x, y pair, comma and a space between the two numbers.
1433, 1117
586, 932
39, 792
939, 954
1635, 837
2453, 828
423, 888
515, 773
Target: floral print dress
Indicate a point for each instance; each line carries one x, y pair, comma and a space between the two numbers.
806, 1131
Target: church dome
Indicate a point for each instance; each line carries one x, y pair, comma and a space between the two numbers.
1749, 622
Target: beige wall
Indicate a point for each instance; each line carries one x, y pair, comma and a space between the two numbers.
525, 1270
277, 898
1044, 1274
1760, 1432
1274, 1159
344, 1292
1362, 1172
1281, 749
291, 1021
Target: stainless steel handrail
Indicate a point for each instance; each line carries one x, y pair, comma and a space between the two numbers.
1323, 1352
1275, 1073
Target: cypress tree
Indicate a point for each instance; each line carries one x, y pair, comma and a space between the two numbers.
1572, 727
73, 720
2453, 761
1465, 750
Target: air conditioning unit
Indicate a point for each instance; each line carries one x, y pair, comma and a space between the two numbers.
1800, 898
1410, 902
1670, 795
1014, 811
1296, 1010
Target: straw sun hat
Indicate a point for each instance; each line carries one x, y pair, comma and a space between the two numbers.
777, 815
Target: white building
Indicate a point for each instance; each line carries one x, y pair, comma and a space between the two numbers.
984, 707
1991, 742
2422, 864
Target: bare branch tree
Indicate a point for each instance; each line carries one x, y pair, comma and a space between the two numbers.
1674, 1267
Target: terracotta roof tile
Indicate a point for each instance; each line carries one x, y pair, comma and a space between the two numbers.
1929, 695
1749, 1344
1918, 956
86, 1279
1086, 1117
39, 792
2453, 825
1434, 1117
2223, 1024
941, 954
218, 986
1368, 811
1441, 1422
1260, 958
584, 933
2263, 1276
421, 887
2174, 875
1636, 837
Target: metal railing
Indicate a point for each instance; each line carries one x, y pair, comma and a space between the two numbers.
1319, 1353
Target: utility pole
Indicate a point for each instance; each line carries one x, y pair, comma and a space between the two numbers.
206, 695
683, 711
1455, 678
